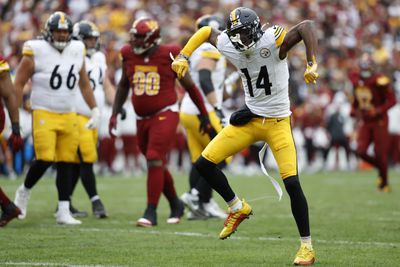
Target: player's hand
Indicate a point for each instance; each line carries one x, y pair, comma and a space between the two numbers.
220, 115
15, 139
94, 119
180, 65
206, 127
311, 75
112, 126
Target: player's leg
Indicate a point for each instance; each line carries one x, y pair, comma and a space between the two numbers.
381, 149
364, 139
87, 156
8, 208
229, 141
279, 138
66, 149
162, 133
44, 142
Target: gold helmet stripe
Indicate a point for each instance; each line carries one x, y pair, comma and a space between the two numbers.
233, 17
62, 17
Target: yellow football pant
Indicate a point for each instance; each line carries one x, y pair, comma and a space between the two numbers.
276, 132
87, 141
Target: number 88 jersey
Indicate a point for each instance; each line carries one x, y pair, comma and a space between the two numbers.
56, 75
265, 77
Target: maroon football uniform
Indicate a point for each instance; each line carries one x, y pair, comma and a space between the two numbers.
152, 79
373, 97
3, 67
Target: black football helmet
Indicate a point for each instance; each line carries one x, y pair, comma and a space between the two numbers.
214, 22
244, 28
85, 29
58, 21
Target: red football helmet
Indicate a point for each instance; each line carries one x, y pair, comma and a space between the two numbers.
145, 33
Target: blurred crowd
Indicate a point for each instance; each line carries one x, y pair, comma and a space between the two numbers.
323, 129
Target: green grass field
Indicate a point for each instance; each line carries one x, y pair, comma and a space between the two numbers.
351, 223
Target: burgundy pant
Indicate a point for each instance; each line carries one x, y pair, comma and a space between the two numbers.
155, 136
378, 134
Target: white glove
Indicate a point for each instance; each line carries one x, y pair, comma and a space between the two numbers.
94, 119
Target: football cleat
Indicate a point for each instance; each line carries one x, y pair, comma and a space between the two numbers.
149, 218
77, 213
305, 256
192, 202
65, 217
213, 210
10, 212
21, 200
234, 219
98, 209
177, 210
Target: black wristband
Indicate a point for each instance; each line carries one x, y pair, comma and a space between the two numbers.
15, 128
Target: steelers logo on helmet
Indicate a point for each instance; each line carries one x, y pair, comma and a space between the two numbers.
144, 34
213, 21
244, 28
85, 31
58, 30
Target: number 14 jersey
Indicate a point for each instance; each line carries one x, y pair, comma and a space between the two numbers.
265, 77
56, 75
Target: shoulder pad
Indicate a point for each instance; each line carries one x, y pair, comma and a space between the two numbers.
383, 80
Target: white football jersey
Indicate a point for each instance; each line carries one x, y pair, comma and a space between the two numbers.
217, 77
55, 81
96, 69
265, 77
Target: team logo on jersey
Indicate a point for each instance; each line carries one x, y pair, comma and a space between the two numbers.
264, 52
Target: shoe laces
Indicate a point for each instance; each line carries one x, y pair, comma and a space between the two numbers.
304, 251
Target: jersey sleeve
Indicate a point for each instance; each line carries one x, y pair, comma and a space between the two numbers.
27, 49
175, 49
123, 52
279, 34
3, 65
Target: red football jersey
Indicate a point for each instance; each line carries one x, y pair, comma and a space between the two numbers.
373, 93
152, 79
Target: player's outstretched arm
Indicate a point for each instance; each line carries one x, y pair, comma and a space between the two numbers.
304, 31
8, 93
205, 34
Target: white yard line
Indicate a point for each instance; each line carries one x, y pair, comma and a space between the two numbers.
261, 238
10, 263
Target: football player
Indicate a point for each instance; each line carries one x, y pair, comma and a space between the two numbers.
261, 57
95, 62
373, 97
207, 68
146, 68
8, 208
56, 67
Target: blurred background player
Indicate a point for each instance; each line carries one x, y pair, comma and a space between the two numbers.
373, 97
56, 66
207, 68
146, 67
95, 62
261, 57
9, 210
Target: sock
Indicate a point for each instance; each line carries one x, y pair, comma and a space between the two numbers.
63, 206
235, 204
93, 199
35, 172
169, 188
88, 179
306, 240
204, 189
215, 178
155, 184
63, 180
194, 191
194, 177
4, 200
298, 204
74, 176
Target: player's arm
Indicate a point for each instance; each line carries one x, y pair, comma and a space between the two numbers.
109, 89
24, 72
383, 82
8, 94
88, 96
304, 31
204, 34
